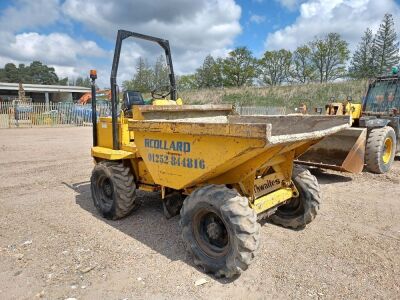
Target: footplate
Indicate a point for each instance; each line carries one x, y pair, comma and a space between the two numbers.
270, 200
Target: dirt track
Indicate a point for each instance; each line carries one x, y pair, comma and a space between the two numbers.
54, 245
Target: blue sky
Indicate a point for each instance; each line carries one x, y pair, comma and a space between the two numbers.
259, 18
77, 35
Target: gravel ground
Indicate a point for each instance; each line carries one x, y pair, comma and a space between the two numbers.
54, 245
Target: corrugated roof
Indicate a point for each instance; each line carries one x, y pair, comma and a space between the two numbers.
44, 88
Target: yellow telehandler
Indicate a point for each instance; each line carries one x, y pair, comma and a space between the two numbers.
373, 140
222, 172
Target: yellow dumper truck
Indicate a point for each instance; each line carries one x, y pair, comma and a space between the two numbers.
222, 172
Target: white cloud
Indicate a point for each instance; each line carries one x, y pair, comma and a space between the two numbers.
350, 18
194, 28
67, 55
55, 48
289, 4
257, 19
30, 14
68, 71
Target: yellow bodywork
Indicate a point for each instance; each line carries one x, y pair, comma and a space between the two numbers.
272, 199
355, 109
167, 102
344, 109
104, 132
168, 149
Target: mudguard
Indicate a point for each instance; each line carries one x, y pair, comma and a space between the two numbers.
373, 122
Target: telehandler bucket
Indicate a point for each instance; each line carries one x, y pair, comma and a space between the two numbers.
342, 151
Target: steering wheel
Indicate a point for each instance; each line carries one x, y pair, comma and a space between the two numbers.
157, 93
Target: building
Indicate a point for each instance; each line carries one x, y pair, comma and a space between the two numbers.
39, 93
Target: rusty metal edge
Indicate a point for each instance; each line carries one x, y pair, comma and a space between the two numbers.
255, 131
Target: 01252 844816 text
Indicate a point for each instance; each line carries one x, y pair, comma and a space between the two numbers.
177, 161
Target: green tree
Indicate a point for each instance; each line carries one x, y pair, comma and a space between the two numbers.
3, 77
87, 82
42, 74
362, 64
23, 73
219, 71
239, 68
210, 73
11, 73
329, 56
386, 45
160, 73
36, 72
142, 81
63, 81
128, 85
80, 81
274, 66
187, 82
303, 70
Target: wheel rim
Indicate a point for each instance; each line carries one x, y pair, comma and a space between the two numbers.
387, 150
105, 191
211, 233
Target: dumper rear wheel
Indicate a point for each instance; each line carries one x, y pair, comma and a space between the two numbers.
113, 189
299, 211
380, 150
220, 230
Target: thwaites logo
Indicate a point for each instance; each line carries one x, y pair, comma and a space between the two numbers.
267, 184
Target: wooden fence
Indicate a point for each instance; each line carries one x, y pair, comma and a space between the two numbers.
16, 114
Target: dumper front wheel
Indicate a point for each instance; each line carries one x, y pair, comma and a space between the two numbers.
300, 211
113, 189
220, 230
380, 150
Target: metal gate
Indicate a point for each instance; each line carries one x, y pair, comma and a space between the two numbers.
16, 114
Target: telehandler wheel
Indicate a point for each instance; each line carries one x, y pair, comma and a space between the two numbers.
220, 230
113, 189
300, 211
380, 150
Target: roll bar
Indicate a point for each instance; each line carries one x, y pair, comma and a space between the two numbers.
121, 35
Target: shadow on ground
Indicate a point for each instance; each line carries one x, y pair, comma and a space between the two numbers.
148, 225
325, 177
